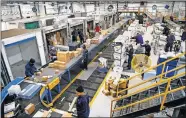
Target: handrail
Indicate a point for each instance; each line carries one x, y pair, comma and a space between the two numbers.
177, 68
150, 98
151, 86
153, 67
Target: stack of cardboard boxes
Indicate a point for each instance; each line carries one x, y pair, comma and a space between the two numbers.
111, 87
63, 57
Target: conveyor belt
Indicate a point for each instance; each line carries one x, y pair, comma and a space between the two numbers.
90, 86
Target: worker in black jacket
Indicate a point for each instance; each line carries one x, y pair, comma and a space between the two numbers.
82, 105
183, 37
170, 41
130, 56
85, 58
147, 48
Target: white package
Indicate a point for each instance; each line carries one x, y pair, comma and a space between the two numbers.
14, 89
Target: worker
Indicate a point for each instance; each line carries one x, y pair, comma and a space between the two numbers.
85, 58
74, 35
53, 54
147, 48
130, 56
166, 31
97, 28
170, 41
139, 39
88, 29
183, 37
30, 68
80, 33
171, 18
82, 104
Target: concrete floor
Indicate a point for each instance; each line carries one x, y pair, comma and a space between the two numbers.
101, 105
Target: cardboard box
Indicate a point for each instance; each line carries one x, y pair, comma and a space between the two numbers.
112, 86
76, 53
71, 55
46, 114
44, 78
94, 41
61, 67
113, 93
51, 65
106, 92
30, 109
123, 84
80, 50
63, 56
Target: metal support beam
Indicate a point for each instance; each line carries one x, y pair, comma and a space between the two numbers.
45, 9
117, 14
20, 11
72, 9
35, 7
172, 6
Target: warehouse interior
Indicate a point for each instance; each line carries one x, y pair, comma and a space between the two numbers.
93, 58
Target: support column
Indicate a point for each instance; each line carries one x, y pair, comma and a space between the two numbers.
45, 9
72, 9
117, 14
20, 11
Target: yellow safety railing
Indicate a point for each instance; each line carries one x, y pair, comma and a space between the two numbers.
161, 80
150, 69
164, 94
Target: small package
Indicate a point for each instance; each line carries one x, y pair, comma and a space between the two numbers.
80, 50
44, 78
46, 114
106, 92
94, 41
76, 53
14, 89
113, 93
51, 65
30, 109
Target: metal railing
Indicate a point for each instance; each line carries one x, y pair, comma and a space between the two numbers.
161, 81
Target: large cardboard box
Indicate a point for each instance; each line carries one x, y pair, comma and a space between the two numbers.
71, 55
113, 93
76, 53
63, 56
80, 50
30, 109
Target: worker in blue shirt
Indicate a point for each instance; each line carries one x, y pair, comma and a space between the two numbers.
170, 41
85, 58
183, 37
82, 104
30, 68
139, 38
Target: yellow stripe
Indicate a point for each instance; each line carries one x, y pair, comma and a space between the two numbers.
98, 91
49, 105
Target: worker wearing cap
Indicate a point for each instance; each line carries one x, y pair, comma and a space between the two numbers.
170, 41
30, 68
53, 53
82, 105
147, 48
